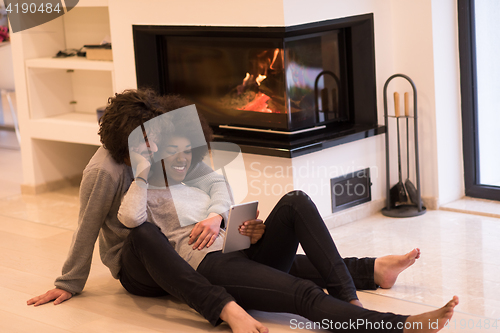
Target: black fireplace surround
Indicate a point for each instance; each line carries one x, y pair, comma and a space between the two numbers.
280, 91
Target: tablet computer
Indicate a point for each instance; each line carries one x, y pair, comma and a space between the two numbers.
238, 214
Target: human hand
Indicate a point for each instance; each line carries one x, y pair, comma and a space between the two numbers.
59, 295
205, 232
356, 302
140, 164
253, 229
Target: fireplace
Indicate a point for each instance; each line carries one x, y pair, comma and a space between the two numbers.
291, 84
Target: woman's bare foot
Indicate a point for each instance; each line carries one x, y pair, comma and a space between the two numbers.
240, 321
431, 322
388, 268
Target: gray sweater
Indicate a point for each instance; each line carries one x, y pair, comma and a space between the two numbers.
175, 210
104, 184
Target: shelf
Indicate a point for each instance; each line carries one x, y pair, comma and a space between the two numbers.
70, 63
74, 127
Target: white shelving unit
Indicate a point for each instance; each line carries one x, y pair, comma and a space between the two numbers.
58, 97
63, 96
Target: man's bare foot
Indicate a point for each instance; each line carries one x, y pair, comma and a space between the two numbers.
240, 321
431, 322
388, 268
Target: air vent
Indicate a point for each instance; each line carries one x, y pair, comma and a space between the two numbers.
351, 189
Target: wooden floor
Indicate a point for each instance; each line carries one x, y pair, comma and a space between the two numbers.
459, 256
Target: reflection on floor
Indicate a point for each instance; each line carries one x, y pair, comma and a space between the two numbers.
459, 257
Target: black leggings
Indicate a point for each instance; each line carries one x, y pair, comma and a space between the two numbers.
258, 278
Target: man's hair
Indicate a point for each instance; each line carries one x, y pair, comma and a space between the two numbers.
131, 108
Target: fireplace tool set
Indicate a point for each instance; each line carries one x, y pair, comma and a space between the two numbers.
403, 199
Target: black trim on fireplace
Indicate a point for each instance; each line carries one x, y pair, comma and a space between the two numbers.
359, 54
300, 145
358, 50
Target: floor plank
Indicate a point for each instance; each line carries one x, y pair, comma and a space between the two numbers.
12, 323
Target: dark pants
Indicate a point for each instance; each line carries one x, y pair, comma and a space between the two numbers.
257, 278
151, 268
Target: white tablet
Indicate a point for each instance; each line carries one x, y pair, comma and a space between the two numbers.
238, 214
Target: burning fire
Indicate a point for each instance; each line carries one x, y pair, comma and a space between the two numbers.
276, 53
259, 79
256, 97
259, 104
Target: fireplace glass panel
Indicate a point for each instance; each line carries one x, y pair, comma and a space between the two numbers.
281, 78
314, 78
234, 80
255, 82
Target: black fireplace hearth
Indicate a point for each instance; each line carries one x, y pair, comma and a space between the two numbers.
298, 88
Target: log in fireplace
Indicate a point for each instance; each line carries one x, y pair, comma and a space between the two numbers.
296, 85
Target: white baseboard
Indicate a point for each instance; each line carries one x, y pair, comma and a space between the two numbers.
431, 203
365, 210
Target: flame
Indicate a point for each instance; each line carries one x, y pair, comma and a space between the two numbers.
256, 100
259, 79
247, 77
276, 53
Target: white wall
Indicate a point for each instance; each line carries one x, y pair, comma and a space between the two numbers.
448, 110
426, 35
413, 56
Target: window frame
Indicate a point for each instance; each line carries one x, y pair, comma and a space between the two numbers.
468, 86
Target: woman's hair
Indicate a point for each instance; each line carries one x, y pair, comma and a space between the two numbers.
132, 108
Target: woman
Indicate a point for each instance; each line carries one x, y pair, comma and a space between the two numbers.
257, 278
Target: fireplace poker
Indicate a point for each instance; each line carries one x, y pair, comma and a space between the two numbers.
410, 187
398, 193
